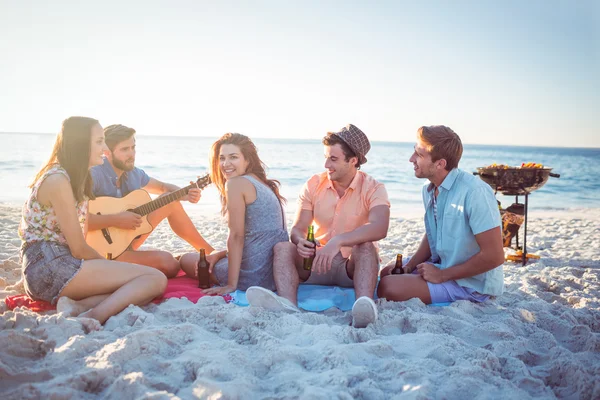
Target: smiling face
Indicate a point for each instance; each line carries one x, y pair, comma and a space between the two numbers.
424, 166
338, 169
97, 145
123, 155
231, 161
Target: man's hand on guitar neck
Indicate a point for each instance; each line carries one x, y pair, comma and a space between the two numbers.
127, 220
193, 195
162, 189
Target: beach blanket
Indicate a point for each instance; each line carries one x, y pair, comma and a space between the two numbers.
181, 286
178, 287
319, 298
313, 298
310, 297
22, 300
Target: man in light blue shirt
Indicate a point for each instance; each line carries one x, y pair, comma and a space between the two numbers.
461, 255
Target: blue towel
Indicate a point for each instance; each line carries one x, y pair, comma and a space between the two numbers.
318, 298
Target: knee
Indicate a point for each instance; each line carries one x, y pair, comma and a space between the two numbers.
284, 248
188, 260
364, 249
175, 205
168, 265
159, 283
383, 290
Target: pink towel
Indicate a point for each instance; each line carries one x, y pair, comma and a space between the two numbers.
22, 300
181, 286
178, 287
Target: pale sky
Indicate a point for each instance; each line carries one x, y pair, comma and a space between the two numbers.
509, 72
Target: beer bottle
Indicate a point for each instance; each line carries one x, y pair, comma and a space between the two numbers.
311, 238
398, 270
203, 275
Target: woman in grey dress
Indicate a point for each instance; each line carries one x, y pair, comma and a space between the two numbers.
254, 210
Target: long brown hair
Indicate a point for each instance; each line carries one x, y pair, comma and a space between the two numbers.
72, 152
255, 165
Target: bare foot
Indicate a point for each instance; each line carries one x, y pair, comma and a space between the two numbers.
69, 307
89, 324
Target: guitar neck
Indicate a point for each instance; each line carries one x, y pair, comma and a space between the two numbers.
162, 201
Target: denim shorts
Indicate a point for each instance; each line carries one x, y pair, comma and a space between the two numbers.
47, 268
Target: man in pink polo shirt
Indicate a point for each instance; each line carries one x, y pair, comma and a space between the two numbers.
351, 212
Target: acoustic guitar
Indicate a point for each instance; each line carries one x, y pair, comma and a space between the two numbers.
112, 242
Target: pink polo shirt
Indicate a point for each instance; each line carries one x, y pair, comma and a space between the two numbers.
334, 215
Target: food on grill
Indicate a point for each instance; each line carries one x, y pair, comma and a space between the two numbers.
499, 166
531, 165
523, 165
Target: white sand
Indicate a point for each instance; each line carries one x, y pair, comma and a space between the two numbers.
541, 339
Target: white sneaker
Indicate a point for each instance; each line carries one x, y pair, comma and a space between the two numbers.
260, 297
364, 312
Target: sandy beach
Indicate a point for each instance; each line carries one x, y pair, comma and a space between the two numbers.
541, 339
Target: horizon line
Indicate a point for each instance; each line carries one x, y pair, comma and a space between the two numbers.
373, 141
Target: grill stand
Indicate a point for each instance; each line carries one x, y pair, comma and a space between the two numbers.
524, 259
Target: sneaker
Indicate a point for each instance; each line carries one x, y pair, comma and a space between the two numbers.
364, 312
260, 297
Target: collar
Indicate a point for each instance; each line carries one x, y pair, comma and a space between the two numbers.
355, 181
108, 170
448, 181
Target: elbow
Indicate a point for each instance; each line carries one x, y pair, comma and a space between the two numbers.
235, 239
82, 251
499, 259
77, 253
382, 232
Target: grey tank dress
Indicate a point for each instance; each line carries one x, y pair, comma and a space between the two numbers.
264, 227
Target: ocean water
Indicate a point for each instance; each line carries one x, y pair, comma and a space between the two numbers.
180, 159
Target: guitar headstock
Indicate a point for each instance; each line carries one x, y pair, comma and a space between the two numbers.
203, 181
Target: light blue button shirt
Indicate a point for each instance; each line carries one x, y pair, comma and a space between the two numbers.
105, 180
466, 206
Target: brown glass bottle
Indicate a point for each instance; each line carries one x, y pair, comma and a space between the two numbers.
398, 270
203, 275
311, 238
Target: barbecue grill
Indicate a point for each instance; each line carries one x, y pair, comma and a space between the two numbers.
516, 182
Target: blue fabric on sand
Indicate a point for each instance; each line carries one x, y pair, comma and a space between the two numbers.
317, 298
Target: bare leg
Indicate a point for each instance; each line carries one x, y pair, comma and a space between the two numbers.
363, 268
160, 260
73, 308
180, 223
287, 271
404, 287
124, 284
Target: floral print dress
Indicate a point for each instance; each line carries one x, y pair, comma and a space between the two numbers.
39, 222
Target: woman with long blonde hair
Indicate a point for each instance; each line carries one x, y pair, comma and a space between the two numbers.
253, 206
58, 265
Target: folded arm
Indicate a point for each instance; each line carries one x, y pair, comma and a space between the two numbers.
375, 229
490, 256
